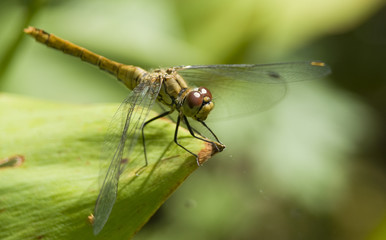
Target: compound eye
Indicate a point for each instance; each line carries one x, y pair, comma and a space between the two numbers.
194, 99
205, 92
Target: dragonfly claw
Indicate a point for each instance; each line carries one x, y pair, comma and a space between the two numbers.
198, 162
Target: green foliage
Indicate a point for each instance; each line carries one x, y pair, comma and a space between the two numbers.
52, 193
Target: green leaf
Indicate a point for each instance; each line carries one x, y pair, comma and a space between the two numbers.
49, 167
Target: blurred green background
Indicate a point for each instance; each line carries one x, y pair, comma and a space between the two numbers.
312, 167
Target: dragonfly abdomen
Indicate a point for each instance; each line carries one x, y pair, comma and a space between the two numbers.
127, 74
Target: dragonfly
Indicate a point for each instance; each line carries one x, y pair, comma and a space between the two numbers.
188, 90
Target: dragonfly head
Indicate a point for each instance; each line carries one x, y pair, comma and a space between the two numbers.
198, 103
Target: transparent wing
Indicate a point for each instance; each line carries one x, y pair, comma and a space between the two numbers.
245, 88
121, 138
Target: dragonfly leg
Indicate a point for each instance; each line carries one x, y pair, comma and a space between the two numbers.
191, 130
176, 141
143, 134
210, 130
172, 119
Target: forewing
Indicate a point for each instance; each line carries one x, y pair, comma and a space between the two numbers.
246, 88
129, 118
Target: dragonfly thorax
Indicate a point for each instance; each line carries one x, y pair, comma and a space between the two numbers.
197, 103
175, 93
